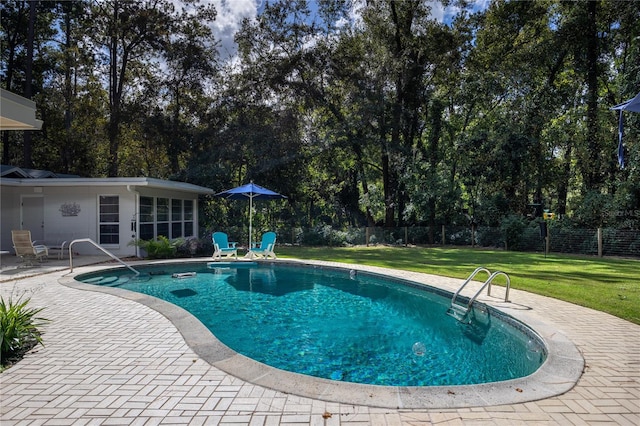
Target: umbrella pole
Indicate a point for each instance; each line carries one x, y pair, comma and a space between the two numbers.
250, 214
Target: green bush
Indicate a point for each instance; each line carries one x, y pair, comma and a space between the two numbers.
18, 328
161, 248
513, 227
190, 247
487, 236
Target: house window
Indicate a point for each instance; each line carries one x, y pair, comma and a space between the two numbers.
170, 217
188, 217
176, 218
109, 218
162, 209
147, 230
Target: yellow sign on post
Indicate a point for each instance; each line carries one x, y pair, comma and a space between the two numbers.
548, 216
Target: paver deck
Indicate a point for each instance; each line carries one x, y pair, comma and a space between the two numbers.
109, 360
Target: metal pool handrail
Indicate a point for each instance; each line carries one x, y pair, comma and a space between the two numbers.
89, 240
459, 311
464, 284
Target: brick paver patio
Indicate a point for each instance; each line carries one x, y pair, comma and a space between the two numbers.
112, 361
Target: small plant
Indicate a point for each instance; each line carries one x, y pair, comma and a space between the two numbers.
18, 329
161, 248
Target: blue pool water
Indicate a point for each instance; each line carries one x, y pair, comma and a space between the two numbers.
338, 325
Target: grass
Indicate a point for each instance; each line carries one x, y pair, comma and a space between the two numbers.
609, 285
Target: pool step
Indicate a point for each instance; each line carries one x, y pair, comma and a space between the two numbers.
116, 281
458, 312
236, 264
101, 280
477, 325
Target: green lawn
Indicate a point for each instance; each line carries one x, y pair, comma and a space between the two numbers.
605, 284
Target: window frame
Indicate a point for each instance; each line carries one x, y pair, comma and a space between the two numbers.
144, 218
113, 224
180, 214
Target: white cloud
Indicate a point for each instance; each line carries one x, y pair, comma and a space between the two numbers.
228, 22
447, 14
232, 12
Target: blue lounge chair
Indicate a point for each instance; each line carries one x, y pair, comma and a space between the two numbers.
266, 248
222, 246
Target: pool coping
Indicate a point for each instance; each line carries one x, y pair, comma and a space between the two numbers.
559, 374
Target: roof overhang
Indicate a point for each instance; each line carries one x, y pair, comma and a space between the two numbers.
17, 113
129, 183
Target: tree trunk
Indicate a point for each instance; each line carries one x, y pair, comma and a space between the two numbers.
113, 131
28, 89
68, 92
593, 179
174, 143
563, 185
389, 180
389, 211
11, 41
357, 149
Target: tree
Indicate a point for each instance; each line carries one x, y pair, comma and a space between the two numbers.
24, 61
362, 112
70, 100
191, 65
131, 34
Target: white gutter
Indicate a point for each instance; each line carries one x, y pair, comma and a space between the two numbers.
75, 182
136, 217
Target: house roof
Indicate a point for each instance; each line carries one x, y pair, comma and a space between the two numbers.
21, 172
17, 113
17, 176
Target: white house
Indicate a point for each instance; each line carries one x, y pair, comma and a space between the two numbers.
110, 211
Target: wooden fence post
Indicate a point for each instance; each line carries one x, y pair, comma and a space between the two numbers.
406, 236
599, 242
444, 240
366, 236
473, 235
548, 240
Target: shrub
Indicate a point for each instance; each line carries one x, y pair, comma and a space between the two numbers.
420, 235
205, 246
161, 248
513, 227
189, 247
459, 236
487, 236
18, 328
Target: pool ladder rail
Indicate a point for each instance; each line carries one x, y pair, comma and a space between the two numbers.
460, 311
105, 251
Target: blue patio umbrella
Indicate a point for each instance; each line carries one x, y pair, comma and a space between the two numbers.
632, 105
250, 191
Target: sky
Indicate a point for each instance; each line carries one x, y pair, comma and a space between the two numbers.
232, 12
229, 19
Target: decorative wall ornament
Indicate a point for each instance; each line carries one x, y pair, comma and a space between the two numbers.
70, 209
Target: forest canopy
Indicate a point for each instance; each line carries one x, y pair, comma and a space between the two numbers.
362, 112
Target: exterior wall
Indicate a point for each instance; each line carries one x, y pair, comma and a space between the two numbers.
9, 215
66, 228
60, 227
71, 212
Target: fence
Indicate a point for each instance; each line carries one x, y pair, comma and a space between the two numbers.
597, 242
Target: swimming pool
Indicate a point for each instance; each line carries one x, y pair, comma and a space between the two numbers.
340, 325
